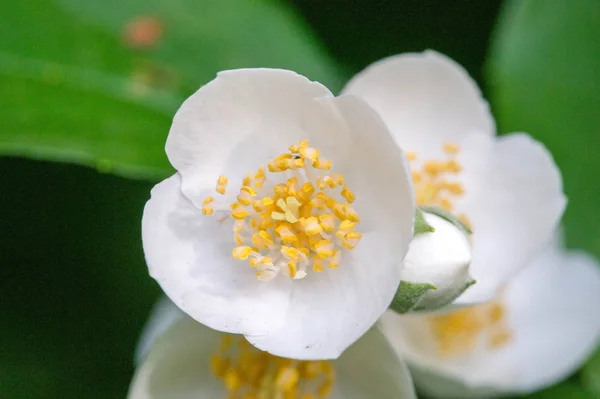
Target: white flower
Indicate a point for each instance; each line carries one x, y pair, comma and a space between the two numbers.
440, 258
535, 333
180, 358
287, 217
506, 189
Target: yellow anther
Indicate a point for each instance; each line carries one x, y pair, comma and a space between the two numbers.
207, 210
245, 195
416, 176
286, 234
351, 240
318, 264
347, 225
338, 178
290, 208
411, 156
207, 200
460, 332
329, 181
248, 373
351, 214
247, 181
239, 240
335, 259
238, 211
292, 268
238, 226
309, 153
260, 177
348, 194
454, 188
267, 201
446, 204
242, 252
451, 148
253, 262
324, 249
311, 226
327, 222
281, 190
453, 167
221, 184
291, 253
323, 164
262, 239
321, 183
307, 191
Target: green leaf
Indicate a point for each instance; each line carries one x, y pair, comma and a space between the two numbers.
590, 374
444, 301
408, 296
421, 225
544, 74
76, 91
565, 390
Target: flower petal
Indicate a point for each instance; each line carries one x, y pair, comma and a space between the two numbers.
514, 200
371, 369
164, 314
222, 114
357, 293
190, 257
551, 309
178, 365
426, 99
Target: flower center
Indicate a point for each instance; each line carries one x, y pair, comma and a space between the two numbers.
436, 182
463, 331
292, 216
249, 373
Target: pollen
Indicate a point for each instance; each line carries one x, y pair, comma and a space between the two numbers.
291, 216
248, 373
437, 181
221, 184
464, 331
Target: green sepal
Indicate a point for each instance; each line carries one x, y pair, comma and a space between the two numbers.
446, 216
408, 296
421, 225
442, 302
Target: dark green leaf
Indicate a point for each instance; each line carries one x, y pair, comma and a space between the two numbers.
545, 80
77, 90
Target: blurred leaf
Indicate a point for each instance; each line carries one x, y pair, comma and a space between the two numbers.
97, 83
563, 391
545, 79
590, 375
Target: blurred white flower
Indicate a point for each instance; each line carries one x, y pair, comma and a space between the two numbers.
181, 358
506, 189
288, 215
536, 332
440, 258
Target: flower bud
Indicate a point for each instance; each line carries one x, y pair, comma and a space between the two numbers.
440, 259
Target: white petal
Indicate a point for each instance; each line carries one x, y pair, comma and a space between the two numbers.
425, 99
514, 202
552, 309
178, 365
331, 310
221, 116
190, 257
371, 369
164, 314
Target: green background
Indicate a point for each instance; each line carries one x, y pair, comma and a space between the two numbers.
74, 290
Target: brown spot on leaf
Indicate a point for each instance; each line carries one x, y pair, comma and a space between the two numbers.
143, 32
